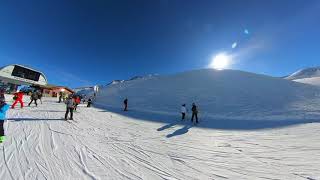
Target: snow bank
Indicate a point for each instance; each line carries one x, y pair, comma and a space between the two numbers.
227, 94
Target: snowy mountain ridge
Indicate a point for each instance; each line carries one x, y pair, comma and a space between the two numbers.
133, 78
307, 76
305, 73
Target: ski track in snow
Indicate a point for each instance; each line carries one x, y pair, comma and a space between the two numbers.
104, 145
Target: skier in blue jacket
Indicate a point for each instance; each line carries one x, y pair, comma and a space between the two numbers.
3, 109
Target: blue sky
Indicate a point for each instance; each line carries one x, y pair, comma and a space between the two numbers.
79, 43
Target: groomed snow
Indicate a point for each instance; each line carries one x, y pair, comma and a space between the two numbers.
104, 144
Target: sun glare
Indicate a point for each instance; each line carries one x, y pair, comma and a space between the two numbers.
220, 61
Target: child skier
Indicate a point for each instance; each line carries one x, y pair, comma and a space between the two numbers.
3, 109
183, 111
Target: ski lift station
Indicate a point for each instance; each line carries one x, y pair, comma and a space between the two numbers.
15, 75
21, 75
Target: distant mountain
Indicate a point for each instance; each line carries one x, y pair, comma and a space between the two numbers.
306, 76
305, 73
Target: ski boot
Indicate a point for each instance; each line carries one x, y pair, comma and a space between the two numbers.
2, 138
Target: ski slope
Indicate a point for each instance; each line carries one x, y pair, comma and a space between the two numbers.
227, 95
104, 145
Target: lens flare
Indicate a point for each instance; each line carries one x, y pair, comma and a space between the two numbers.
220, 61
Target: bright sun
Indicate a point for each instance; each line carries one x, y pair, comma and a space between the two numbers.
220, 61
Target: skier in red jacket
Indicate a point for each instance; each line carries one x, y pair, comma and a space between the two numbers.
18, 96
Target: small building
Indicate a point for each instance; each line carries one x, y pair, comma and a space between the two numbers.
54, 91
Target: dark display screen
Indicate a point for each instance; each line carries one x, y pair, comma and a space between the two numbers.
25, 73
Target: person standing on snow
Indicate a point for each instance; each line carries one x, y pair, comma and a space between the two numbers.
60, 96
77, 101
125, 102
40, 96
2, 93
183, 111
70, 106
194, 112
3, 109
34, 97
18, 97
89, 102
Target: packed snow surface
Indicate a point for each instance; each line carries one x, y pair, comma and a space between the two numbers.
276, 137
101, 144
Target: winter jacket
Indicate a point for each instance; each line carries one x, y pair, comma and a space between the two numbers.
77, 100
34, 96
4, 108
19, 95
194, 109
70, 103
183, 109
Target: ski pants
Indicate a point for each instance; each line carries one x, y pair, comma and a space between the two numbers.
35, 102
67, 113
89, 104
76, 106
196, 116
183, 115
16, 101
125, 107
1, 128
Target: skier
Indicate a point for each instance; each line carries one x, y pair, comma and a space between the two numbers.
70, 106
60, 96
77, 101
3, 109
125, 102
2, 93
89, 102
34, 97
183, 111
40, 96
18, 97
194, 112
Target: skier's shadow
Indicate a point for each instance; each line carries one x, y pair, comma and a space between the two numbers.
183, 130
167, 126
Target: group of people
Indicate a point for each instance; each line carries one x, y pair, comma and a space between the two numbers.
184, 111
194, 110
34, 97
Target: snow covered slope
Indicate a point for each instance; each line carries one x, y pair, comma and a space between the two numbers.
103, 145
227, 94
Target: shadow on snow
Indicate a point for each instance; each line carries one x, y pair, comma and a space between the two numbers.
210, 123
